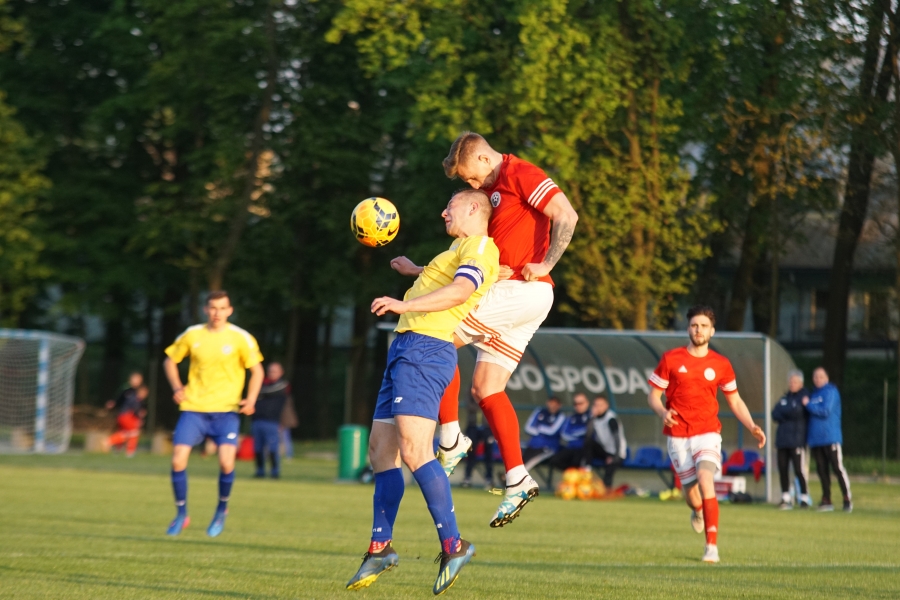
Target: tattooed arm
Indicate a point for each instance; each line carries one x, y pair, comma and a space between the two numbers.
564, 218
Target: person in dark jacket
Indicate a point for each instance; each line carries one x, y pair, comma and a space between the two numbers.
572, 434
824, 438
273, 396
544, 426
790, 414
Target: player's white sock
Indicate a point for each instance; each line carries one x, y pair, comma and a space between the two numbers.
786, 498
449, 433
516, 474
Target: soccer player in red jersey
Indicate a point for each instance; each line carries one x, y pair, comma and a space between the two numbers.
690, 377
532, 224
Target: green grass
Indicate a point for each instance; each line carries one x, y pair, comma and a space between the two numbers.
90, 526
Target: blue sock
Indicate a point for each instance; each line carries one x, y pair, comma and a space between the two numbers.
225, 482
179, 486
436, 489
386, 501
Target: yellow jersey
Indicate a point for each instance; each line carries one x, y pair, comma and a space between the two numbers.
219, 361
477, 259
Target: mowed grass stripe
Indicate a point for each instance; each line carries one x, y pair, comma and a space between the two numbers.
93, 527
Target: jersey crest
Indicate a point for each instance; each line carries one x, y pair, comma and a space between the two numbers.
495, 199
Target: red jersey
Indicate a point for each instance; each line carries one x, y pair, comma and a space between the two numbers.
519, 226
690, 384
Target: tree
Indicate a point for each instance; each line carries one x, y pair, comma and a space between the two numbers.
577, 88
21, 242
864, 120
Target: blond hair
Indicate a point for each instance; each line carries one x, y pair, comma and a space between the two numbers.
485, 208
463, 149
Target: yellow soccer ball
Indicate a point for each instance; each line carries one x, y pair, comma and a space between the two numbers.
375, 222
566, 490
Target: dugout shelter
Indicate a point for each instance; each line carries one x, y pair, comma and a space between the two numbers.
560, 362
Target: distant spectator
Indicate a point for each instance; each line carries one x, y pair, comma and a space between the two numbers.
288, 422
790, 440
607, 440
273, 395
573, 434
127, 396
129, 419
825, 438
544, 426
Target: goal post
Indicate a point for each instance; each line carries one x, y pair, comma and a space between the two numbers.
37, 387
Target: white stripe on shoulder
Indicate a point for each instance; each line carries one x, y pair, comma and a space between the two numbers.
481, 246
189, 329
251, 341
540, 191
543, 194
730, 386
659, 381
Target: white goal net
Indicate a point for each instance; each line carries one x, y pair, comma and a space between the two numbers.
37, 385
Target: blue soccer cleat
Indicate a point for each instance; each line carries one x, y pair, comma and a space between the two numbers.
178, 525
451, 457
217, 524
451, 565
372, 566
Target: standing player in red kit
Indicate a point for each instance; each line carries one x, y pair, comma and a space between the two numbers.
690, 377
532, 224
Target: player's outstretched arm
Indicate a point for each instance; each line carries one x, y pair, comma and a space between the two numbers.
404, 266
564, 218
654, 399
444, 298
174, 377
740, 410
248, 404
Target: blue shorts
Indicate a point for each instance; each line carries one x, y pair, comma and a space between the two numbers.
193, 427
419, 369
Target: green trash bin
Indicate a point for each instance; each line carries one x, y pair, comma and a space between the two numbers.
353, 446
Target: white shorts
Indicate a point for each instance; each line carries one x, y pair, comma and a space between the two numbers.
686, 452
505, 320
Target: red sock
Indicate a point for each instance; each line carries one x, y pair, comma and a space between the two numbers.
376, 547
117, 438
449, 410
711, 519
501, 416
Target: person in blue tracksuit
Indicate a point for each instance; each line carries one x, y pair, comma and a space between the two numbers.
545, 427
790, 414
824, 438
573, 433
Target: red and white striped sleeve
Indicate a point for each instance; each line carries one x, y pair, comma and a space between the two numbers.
534, 186
728, 380
660, 376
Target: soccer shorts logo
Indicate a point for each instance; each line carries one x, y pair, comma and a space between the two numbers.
398, 399
709, 374
495, 199
231, 436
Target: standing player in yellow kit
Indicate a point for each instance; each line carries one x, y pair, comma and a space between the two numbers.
220, 355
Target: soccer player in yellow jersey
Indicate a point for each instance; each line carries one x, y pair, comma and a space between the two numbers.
421, 363
220, 355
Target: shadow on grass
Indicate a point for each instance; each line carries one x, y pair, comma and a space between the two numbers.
218, 543
84, 579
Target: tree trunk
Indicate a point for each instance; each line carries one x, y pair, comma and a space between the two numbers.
239, 218
742, 286
113, 356
872, 93
324, 421
170, 328
361, 401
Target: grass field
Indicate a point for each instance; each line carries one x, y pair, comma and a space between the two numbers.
90, 526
